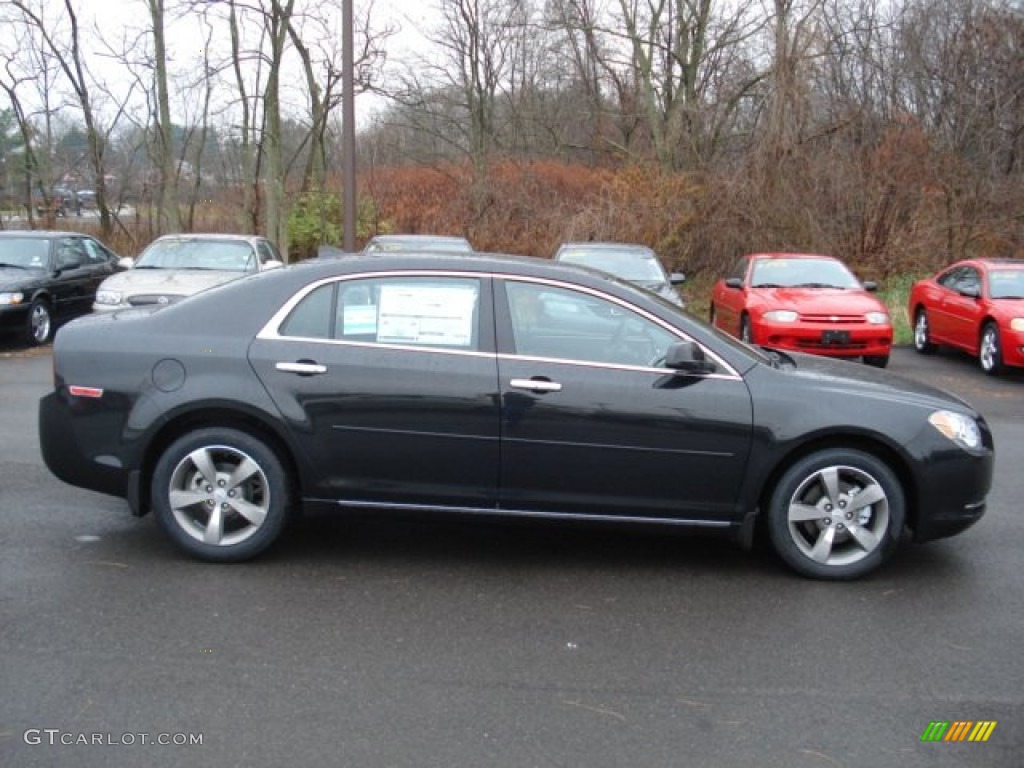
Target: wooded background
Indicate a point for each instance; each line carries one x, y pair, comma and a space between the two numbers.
887, 132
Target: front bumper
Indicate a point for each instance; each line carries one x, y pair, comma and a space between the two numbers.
14, 316
951, 485
844, 340
1012, 347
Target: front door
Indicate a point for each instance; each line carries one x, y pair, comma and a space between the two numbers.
594, 424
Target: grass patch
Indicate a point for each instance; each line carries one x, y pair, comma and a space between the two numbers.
895, 293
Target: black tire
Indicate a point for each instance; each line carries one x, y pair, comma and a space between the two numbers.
711, 315
922, 338
876, 361
746, 334
39, 323
990, 350
832, 535
207, 509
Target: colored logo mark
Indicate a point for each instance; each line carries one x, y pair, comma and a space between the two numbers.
958, 730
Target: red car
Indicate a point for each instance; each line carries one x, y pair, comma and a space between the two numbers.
976, 306
804, 303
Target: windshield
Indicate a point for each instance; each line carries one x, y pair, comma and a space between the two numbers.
198, 254
801, 273
25, 252
639, 266
1002, 283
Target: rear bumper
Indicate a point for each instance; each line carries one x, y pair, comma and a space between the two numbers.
63, 453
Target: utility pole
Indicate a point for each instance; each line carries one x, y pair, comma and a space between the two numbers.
348, 129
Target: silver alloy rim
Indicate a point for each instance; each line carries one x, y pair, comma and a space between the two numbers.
219, 495
40, 323
988, 349
838, 516
921, 330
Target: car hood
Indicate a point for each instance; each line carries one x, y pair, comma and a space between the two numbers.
820, 301
1009, 307
182, 282
15, 279
842, 376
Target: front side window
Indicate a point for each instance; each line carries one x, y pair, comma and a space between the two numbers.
950, 278
96, 252
553, 322
438, 312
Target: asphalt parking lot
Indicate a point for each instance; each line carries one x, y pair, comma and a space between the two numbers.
408, 643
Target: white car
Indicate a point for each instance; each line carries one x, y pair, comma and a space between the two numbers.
176, 266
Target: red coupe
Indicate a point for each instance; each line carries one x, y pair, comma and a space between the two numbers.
976, 306
804, 303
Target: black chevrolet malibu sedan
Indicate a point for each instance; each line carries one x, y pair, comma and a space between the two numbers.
498, 386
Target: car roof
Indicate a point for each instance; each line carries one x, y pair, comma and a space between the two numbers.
1016, 263
603, 245
529, 266
211, 236
784, 255
39, 233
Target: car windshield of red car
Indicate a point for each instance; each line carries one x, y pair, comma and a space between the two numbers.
1006, 283
801, 273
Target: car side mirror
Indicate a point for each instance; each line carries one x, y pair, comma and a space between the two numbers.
688, 356
125, 262
870, 286
677, 278
734, 282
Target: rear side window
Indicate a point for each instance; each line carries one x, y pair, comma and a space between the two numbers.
410, 311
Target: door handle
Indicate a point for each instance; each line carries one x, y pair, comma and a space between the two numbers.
303, 368
536, 385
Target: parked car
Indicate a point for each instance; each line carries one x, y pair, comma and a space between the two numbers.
175, 266
497, 386
414, 243
804, 303
636, 264
49, 277
975, 305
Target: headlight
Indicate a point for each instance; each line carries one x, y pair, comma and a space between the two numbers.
12, 298
877, 318
109, 297
781, 316
1017, 324
962, 430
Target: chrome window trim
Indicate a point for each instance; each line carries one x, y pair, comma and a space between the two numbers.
730, 373
269, 332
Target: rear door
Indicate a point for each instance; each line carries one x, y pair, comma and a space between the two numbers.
594, 425
389, 385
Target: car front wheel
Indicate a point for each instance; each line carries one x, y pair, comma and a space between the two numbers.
745, 331
990, 356
836, 514
39, 326
922, 341
221, 494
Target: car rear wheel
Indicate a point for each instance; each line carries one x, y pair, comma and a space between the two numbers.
922, 342
221, 494
990, 356
39, 325
836, 514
